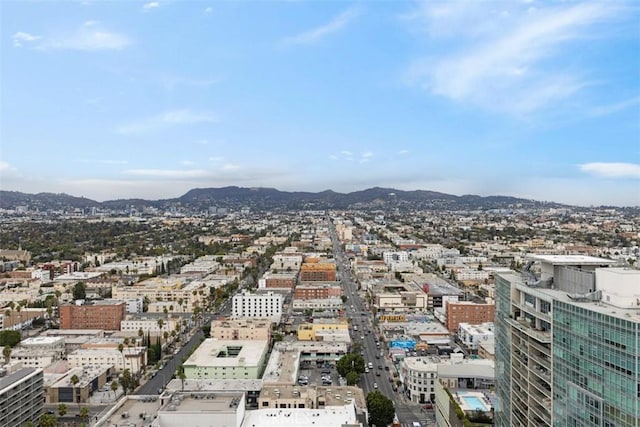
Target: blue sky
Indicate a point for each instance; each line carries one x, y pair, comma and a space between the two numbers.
131, 99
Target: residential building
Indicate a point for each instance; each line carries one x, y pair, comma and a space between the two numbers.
241, 329
21, 397
474, 335
38, 352
567, 339
317, 291
132, 358
227, 359
468, 312
272, 280
92, 316
246, 304
318, 272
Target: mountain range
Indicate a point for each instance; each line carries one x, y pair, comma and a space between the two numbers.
270, 198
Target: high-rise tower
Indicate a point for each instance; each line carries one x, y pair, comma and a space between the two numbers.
567, 344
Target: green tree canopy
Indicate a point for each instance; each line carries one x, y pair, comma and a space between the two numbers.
352, 378
10, 338
380, 408
47, 420
79, 291
350, 362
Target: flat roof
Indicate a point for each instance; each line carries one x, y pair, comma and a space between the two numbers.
227, 385
328, 417
572, 259
11, 379
282, 366
204, 402
214, 353
41, 340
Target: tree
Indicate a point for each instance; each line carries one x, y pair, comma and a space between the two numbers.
84, 413
181, 375
380, 408
114, 388
10, 338
79, 291
126, 380
47, 420
348, 363
352, 378
6, 352
62, 409
74, 380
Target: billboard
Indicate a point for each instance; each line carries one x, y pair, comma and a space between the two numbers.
406, 344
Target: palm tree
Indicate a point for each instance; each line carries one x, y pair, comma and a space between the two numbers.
75, 380
47, 420
62, 409
121, 350
84, 413
114, 388
181, 375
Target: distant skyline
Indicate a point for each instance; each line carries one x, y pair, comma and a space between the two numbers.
531, 99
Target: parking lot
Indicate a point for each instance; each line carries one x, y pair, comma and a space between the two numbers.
314, 373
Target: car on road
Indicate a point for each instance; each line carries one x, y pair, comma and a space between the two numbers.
375, 385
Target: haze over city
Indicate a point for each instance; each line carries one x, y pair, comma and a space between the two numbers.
115, 100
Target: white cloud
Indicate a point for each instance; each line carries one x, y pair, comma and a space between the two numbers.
319, 33
346, 153
208, 10
403, 152
167, 119
151, 5
21, 37
187, 163
6, 167
89, 37
230, 167
509, 68
216, 158
612, 170
367, 154
605, 110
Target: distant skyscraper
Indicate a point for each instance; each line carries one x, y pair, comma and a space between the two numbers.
567, 344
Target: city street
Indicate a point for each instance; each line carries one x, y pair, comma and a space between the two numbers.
367, 336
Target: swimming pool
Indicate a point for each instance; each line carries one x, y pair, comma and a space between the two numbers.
474, 403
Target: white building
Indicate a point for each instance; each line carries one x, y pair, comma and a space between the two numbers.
420, 375
268, 304
286, 261
393, 257
324, 304
132, 358
474, 335
149, 325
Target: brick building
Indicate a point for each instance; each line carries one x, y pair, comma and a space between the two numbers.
318, 272
321, 291
468, 312
92, 316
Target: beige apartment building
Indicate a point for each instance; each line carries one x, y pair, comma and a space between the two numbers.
241, 329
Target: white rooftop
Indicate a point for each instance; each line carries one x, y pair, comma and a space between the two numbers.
333, 416
572, 260
214, 353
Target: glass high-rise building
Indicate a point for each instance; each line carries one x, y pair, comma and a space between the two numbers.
567, 344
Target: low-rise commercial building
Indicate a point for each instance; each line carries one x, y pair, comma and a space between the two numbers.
474, 335
233, 359
310, 331
60, 388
